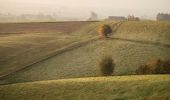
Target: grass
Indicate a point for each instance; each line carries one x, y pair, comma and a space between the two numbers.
144, 87
82, 62
157, 31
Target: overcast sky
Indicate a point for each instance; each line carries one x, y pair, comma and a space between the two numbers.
81, 8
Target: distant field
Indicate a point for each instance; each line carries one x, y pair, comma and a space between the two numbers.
42, 27
143, 87
156, 31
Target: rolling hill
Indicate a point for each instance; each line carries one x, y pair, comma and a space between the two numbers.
63, 76
143, 87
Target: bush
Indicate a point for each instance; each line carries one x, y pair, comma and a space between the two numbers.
107, 66
163, 68
155, 67
142, 69
105, 30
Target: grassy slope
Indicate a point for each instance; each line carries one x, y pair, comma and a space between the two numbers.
83, 62
157, 31
17, 50
147, 87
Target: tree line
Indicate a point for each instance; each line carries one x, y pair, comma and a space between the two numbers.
163, 16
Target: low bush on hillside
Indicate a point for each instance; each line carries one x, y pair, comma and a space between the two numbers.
105, 30
155, 67
106, 66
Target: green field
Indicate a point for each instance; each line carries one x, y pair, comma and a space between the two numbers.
146, 87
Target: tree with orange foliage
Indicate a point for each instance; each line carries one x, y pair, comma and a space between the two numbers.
104, 31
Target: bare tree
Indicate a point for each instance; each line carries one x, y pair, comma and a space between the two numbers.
93, 16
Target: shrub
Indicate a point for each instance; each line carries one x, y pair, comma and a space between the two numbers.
163, 68
105, 30
142, 69
106, 66
155, 67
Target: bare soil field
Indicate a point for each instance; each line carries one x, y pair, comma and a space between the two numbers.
42, 27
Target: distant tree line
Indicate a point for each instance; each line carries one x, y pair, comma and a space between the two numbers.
163, 16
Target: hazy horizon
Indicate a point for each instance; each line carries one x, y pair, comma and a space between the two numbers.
82, 8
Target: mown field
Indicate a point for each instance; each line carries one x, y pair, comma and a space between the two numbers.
145, 87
